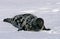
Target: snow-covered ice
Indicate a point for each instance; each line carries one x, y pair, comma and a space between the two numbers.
49, 10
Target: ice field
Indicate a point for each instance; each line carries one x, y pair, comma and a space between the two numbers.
49, 10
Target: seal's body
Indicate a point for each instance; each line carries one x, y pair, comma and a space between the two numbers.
27, 22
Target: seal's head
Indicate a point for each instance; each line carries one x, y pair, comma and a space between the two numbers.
40, 24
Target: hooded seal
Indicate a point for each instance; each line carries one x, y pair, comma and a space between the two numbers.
27, 22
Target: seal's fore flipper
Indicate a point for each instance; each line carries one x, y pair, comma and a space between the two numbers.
47, 29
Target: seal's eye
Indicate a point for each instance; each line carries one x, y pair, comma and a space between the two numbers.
40, 21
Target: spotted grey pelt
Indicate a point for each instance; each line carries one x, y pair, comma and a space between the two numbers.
27, 22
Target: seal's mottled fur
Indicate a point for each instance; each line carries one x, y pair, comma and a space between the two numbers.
27, 22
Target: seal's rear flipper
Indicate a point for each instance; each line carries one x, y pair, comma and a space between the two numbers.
7, 20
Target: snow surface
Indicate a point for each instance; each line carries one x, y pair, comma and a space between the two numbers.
49, 10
